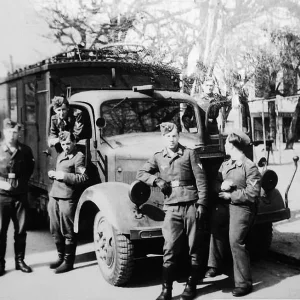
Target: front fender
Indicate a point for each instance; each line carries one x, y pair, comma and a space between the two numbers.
112, 198
271, 208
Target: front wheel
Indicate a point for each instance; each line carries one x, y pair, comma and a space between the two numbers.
114, 252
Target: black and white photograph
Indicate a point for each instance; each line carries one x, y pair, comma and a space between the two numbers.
149, 149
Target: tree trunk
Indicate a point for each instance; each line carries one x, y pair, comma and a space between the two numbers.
211, 30
293, 127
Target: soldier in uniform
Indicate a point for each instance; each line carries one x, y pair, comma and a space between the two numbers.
64, 119
207, 98
68, 179
183, 182
238, 187
16, 167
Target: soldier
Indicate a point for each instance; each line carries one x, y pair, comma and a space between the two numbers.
16, 167
69, 177
238, 186
207, 98
64, 120
183, 182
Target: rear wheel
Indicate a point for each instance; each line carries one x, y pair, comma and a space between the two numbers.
260, 240
114, 252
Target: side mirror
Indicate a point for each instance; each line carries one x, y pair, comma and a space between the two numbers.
101, 123
262, 162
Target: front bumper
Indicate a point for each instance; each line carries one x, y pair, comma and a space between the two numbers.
144, 233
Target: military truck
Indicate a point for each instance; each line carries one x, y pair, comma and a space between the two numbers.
123, 98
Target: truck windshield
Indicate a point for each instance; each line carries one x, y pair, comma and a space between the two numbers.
144, 115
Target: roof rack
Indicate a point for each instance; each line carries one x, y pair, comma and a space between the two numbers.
134, 54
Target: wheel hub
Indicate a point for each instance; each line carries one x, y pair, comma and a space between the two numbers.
104, 243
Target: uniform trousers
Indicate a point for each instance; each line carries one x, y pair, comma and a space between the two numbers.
232, 222
62, 213
180, 222
13, 208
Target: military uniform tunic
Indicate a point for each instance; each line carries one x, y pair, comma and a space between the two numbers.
13, 202
20, 163
204, 102
74, 123
64, 196
189, 189
235, 217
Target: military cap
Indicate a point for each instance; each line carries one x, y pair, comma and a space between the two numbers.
58, 101
245, 138
8, 123
167, 127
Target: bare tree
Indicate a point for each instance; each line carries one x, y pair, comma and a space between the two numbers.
91, 23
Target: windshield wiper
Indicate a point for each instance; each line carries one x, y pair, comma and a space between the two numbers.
126, 98
102, 138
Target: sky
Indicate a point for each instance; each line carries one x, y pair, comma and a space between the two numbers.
21, 31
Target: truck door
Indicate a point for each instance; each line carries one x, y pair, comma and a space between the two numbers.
30, 121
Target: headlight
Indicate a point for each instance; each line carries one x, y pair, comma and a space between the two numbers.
139, 192
269, 180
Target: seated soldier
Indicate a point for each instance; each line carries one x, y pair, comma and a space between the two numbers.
65, 119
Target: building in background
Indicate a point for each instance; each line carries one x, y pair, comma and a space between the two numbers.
286, 107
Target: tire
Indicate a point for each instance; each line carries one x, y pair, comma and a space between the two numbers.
260, 240
114, 252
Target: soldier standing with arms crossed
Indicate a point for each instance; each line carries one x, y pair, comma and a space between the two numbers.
16, 167
69, 176
183, 182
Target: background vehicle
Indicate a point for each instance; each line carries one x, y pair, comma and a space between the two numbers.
123, 100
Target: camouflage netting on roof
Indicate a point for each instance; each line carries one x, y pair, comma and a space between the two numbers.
133, 56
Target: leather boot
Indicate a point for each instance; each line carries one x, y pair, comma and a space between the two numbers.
190, 289
2, 268
2, 258
19, 257
69, 258
60, 253
166, 293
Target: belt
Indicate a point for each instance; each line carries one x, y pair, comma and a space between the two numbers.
176, 183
